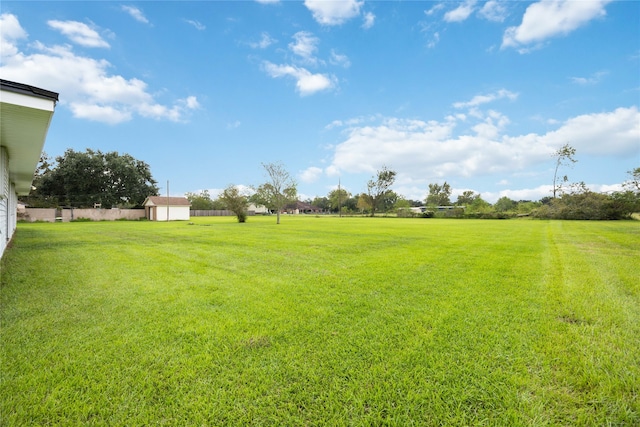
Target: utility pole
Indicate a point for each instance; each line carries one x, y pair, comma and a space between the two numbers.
167, 200
339, 200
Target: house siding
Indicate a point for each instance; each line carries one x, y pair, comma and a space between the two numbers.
5, 201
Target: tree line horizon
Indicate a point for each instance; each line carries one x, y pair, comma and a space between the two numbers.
90, 178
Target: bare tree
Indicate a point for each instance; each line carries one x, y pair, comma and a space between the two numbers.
279, 189
633, 183
563, 156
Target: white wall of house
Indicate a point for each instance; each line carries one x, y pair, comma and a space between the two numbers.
8, 202
259, 209
4, 199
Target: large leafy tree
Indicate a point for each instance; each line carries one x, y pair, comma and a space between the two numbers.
439, 195
201, 200
378, 188
84, 179
321, 202
235, 201
505, 204
279, 190
466, 198
338, 198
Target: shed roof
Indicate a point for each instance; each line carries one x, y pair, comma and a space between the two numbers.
162, 201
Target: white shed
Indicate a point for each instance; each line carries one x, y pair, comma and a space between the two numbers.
25, 115
159, 208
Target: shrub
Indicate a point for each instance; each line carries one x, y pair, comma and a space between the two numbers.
590, 206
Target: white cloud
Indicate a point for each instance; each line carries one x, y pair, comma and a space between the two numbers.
460, 13
136, 14
190, 102
493, 10
85, 84
591, 80
265, 41
616, 132
11, 33
422, 151
305, 46
492, 125
338, 59
103, 113
536, 193
307, 83
333, 12
310, 174
549, 18
196, 24
79, 33
483, 99
434, 40
437, 7
369, 20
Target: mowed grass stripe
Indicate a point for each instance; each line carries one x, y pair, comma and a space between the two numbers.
321, 321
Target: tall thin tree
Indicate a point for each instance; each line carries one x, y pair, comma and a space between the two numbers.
564, 157
279, 190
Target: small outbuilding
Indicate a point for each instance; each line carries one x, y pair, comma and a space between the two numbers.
162, 208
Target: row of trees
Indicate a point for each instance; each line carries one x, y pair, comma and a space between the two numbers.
90, 178
572, 201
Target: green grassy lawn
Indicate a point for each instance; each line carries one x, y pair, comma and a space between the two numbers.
321, 321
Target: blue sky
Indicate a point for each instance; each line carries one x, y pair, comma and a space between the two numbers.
478, 94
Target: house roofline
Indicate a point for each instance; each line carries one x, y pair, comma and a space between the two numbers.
28, 90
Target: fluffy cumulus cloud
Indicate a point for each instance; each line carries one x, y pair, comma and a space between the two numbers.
334, 12
422, 151
307, 83
550, 18
85, 84
79, 32
615, 132
310, 174
11, 33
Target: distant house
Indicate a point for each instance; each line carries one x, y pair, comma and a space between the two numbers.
162, 208
257, 209
302, 208
25, 115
